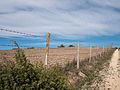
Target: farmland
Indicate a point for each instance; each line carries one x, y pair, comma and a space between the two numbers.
59, 56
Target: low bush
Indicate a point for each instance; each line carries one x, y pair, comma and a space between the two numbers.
21, 75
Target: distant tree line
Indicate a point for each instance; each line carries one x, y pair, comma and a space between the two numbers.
62, 46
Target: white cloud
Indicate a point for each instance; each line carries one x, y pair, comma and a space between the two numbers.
83, 17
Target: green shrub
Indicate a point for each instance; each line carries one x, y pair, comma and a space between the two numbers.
22, 75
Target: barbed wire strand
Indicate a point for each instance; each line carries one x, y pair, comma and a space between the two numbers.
21, 33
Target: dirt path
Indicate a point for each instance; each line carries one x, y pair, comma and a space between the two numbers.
112, 75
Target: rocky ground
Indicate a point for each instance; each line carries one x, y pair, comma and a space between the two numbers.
109, 77
112, 79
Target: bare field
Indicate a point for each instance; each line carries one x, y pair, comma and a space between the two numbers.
59, 56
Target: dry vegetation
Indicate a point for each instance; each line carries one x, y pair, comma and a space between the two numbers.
66, 57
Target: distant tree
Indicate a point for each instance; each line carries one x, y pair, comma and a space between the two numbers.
71, 46
31, 48
61, 46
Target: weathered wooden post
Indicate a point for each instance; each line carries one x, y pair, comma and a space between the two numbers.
119, 52
97, 47
78, 55
103, 49
109, 47
47, 48
90, 54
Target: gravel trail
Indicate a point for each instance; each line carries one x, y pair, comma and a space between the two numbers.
112, 77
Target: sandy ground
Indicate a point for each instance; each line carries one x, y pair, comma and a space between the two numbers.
111, 79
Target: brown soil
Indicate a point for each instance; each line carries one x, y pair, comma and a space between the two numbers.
59, 56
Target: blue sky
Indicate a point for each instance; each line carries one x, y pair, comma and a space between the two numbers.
79, 19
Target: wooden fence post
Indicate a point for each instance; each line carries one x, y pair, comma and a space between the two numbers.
78, 55
97, 47
119, 53
103, 49
47, 48
90, 54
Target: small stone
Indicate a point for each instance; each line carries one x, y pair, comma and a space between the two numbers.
81, 74
108, 89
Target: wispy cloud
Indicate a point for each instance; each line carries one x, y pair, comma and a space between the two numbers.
72, 17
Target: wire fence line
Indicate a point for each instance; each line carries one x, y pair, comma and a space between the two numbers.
21, 33
42, 39
53, 37
61, 54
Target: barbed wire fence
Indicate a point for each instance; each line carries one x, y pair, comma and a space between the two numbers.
74, 45
10, 45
